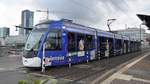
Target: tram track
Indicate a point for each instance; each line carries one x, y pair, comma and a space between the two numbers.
85, 75
99, 71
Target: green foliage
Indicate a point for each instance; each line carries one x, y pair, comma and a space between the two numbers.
37, 82
45, 81
22, 82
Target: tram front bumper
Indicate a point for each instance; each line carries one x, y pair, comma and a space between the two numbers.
31, 62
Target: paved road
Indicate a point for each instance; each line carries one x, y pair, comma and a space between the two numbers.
8, 69
11, 68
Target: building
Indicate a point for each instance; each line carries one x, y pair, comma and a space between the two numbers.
26, 21
136, 34
133, 33
16, 40
4, 32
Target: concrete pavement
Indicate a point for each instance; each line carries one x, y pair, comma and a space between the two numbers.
136, 72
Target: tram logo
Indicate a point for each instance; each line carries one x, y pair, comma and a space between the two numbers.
57, 58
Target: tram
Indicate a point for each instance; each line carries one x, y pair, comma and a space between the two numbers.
64, 42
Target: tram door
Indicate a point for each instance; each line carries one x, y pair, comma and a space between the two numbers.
102, 43
129, 50
131, 46
71, 46
118, 47
105, 46
111, 47
125, 46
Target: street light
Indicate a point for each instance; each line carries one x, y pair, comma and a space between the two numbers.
143, 23
109, 22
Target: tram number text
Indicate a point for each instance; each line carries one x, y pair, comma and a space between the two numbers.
57, 58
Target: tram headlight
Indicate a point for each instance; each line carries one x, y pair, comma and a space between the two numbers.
69, 54
63, 27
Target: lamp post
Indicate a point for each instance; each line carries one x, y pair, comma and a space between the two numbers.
140, 32
143, 23
109, 22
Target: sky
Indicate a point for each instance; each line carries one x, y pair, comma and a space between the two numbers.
93, 13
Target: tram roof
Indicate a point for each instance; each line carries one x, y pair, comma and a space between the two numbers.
44, 22
105, 34
73, 27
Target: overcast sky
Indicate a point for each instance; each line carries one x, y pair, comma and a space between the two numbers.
88, 12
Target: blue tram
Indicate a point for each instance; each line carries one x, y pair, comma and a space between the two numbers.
64, 42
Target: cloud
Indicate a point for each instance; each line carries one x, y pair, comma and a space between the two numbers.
93, 13
87, 12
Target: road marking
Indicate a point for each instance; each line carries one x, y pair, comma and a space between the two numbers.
123, 77
43, 75
82, 66
7, 69
111, 78
133, 63
143, 80
2, 69
14, 55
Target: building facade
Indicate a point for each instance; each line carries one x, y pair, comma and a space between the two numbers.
4, 32
133, 33
26, 21
136, 34
15, 40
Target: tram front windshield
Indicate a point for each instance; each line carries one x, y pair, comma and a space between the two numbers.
33, 40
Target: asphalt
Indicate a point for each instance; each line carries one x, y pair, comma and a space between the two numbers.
11, 68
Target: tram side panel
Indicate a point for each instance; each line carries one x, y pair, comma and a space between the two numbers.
84, 47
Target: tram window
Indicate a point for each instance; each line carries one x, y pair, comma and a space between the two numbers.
89, 42
118, 44
71, 41
53, 40
80, 42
